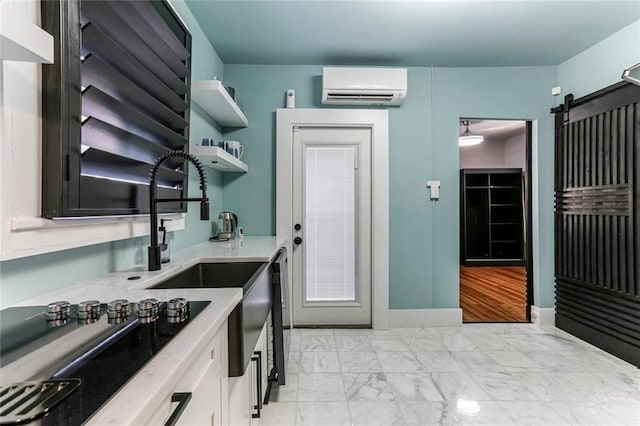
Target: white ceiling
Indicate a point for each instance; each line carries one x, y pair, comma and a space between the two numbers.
411, 33
495, 129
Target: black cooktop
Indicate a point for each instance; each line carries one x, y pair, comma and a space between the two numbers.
25, 329
104, 364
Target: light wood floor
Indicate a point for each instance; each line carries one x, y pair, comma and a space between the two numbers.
493, 293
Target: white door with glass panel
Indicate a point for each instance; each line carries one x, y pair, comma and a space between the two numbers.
332, 226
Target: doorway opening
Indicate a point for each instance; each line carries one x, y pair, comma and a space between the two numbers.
496, 282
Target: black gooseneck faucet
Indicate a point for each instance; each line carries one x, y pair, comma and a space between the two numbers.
154, 247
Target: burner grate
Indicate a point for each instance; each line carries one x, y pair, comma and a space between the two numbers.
23, 402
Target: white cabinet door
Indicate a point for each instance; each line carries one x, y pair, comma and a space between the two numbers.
206, 381
243, 396
204, 407
240, 401
204, 378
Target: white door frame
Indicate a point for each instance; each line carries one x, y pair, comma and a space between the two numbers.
378, 122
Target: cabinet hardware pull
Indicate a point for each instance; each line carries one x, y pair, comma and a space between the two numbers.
257, 357
182, 398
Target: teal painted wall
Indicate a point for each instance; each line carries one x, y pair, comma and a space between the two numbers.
411, 165
600, 65
424, 234
261, 90
27, 277
514, 93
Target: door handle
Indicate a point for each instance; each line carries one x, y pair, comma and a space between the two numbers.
297, 240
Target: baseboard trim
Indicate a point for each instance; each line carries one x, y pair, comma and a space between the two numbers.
405, 318
543, 317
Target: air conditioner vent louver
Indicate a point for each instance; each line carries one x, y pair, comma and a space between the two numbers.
360, 97
364, 86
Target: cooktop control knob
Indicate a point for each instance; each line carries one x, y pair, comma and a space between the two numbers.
58, 312
117, 311
177, 310
148, 310
88, 311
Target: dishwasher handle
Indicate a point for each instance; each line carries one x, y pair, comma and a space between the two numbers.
279, 281
280, 257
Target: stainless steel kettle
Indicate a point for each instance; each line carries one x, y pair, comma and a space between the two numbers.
227, 225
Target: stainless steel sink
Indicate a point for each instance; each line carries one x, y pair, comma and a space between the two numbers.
248, 317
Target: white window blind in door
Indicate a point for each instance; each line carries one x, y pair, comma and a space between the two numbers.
330, 223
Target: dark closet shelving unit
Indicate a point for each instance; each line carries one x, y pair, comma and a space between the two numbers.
491, 217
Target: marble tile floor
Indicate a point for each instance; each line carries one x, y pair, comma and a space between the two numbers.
494, 374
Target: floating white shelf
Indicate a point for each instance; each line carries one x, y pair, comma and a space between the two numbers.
214, 99
21, 40
217, 158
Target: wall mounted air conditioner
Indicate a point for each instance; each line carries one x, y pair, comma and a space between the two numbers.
364, 86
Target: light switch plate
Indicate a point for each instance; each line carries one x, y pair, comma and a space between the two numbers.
435, 188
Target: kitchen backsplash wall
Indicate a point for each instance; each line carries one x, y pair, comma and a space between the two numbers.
29, 276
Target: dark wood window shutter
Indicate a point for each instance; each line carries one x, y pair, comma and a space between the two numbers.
115, 99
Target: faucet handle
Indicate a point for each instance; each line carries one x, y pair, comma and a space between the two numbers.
153, 253
204, 209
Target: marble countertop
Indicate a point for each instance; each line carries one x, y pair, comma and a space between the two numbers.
146, 390
120, 284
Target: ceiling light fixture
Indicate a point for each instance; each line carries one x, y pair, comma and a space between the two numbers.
632, 74
468, 139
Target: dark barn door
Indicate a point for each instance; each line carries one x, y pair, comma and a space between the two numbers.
597, 225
